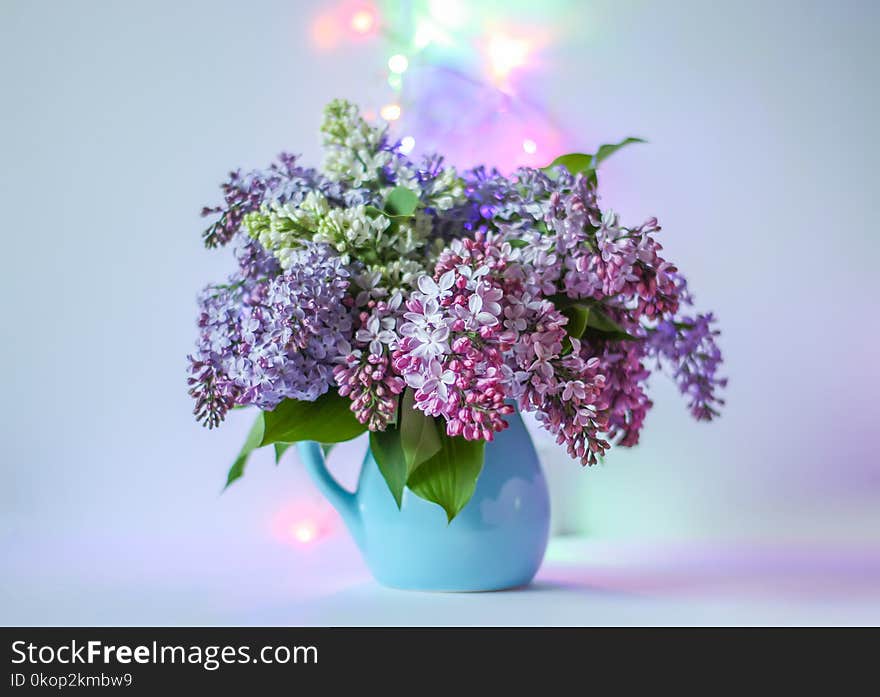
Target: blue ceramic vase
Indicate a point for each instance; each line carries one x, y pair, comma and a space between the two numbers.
497, 541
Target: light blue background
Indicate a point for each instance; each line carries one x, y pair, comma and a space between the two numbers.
119, 120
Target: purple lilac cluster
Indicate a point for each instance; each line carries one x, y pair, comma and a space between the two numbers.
689, 349
279, 337
254, 262
494, 199
245, 192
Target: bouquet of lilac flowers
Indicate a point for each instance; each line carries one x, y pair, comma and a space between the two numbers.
423, 306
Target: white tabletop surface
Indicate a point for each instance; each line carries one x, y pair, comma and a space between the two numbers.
104, 579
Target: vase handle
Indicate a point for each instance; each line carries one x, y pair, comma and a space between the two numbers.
342, 500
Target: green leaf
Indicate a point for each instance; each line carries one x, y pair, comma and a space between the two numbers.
328, 419
402, 447
280, 449
401, 201
596, 320
327, 447
609, 329
578, 318
574, 162
418, 433
391, 216
561, 300
518, 244
578, 162
606, 151
450, 476
251, 443
388, 453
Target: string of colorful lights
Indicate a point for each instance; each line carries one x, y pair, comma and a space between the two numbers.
458, 76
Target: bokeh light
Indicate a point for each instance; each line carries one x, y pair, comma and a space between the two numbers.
505, 54
326, 31
304, 522
363, 20
449, 58
450, 13
390, 112
398, 63
304, 531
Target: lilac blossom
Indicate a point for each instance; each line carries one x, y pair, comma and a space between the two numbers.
271, 339
244, 193
623, 400
453, 342
555, 378
254, 262
688, 349
365, 374
282, 182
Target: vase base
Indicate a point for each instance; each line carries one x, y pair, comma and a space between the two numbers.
497, 587
459, 591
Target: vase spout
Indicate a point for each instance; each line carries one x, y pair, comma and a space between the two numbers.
345, 502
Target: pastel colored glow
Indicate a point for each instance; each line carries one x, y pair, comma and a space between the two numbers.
450, 13
398, 63
506, 53
325, 31
529, 146
424, 35
395, 81
407, 144
304, 522
363, 21
390, 112
305, 531
427, 32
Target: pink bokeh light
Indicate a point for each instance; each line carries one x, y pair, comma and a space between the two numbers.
304, 522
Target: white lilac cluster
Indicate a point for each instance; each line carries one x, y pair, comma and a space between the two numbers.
393, 251
479, 293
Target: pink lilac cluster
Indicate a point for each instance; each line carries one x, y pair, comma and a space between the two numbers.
556, 377
454, 341
623, 399
582, 253
366, 375
475, 340
586, 253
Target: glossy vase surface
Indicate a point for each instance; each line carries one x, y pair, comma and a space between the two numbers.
497, 541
